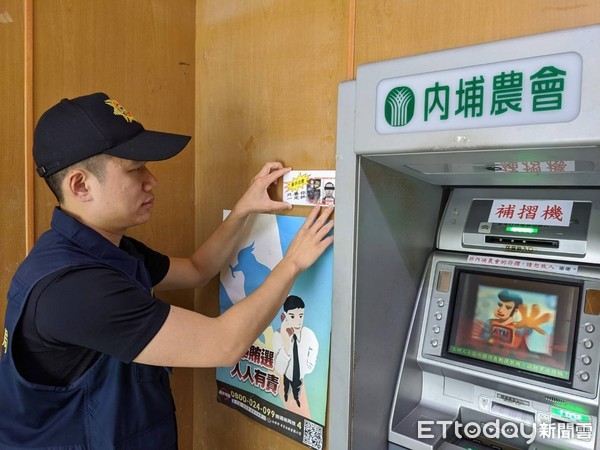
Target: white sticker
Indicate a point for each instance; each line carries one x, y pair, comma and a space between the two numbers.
309, 187
531, 212
541, 266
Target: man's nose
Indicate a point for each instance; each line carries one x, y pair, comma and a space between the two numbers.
150, 181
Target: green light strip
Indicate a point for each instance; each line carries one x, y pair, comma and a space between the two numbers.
529, 230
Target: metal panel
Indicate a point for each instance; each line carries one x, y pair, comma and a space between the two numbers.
453, 222
485, 167
342, 341
397, 220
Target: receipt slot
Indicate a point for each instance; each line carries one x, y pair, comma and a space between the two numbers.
466, 310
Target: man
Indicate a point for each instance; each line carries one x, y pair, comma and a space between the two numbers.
295, 347
329, 198
313, 190
86, 342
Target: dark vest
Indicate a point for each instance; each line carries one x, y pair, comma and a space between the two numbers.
113, 405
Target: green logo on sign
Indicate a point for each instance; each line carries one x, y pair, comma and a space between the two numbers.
399, 106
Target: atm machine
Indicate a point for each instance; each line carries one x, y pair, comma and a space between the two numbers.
467, 256
504, 347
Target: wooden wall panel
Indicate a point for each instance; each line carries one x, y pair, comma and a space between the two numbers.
266, 89
12, 155
140, 52
267, 76
391, 29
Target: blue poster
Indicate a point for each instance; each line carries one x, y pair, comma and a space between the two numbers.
281, 381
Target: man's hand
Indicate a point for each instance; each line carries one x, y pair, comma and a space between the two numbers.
311, 240
532, 320
285, 331
256, 199
285, 325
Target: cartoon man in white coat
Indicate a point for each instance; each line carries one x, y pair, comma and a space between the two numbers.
296, 348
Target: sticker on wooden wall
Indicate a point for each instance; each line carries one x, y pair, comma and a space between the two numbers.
309, 187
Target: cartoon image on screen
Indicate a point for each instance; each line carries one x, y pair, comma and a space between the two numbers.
517, 324
520, 319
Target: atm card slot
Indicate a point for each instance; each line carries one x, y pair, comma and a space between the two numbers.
546, 243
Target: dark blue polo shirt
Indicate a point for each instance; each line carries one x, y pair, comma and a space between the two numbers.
77, 314
90, 295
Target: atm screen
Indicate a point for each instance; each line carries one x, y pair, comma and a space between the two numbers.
520, 325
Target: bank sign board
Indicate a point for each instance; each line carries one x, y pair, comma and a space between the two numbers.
537, 90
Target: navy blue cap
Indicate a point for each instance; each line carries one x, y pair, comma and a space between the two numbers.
79, 128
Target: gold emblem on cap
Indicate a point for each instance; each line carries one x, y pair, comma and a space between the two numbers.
119, 110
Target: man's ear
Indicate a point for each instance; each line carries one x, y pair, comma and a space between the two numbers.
77, 185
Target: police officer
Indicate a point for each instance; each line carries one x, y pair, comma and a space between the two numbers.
86, 342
